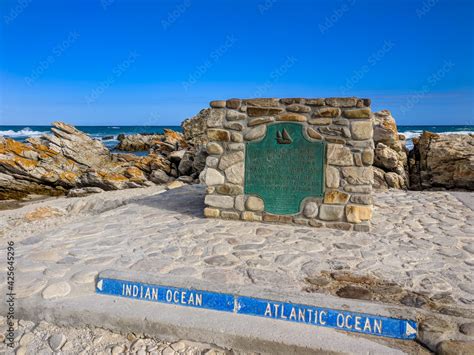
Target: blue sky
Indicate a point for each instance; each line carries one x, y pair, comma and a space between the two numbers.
117, 62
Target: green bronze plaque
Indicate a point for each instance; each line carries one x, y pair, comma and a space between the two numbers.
284, 168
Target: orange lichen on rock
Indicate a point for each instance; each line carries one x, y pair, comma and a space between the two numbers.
173, 137
25, 164
111, 176
69, 177
42, 213
133, 173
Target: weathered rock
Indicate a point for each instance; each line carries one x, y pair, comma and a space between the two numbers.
331, 212
361, 130
260, 120
235, 173
211, 212
176, 156
357, 113
251, 216
214, 148
442, 161
217, 104
341, 101
219, 201
137, 142
53, 164
218, 135
230, 159
455, 347
254, 203
320, 121
236, 126
315, 102
194, 129
358, 175
236, 137
233, 103
339, 155
327, 112
170, 141
385, 128
292, 117
85, 191
298, 108
336, 197
467, 328
379, 179
56, 341
199, 160
255, 133
263, 111
68, 159
240, 203
390, 154
367, 157
42, 213
213, 177
263, 102
313, 133
229, 189
332, 177
357, 214
235, 115
175, 185
185, 166
310, 209
385, 157
394, 180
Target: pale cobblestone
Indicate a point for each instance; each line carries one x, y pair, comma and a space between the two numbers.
168, 234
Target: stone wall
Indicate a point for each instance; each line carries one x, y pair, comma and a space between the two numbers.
344, 124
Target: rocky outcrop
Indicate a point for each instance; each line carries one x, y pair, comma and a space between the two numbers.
137, 142
390, 153
194, 129
168, 141
68, 159
186, 159
442, 161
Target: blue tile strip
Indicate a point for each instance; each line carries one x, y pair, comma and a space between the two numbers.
292, 312
165, 294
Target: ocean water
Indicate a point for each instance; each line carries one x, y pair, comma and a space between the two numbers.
108, 134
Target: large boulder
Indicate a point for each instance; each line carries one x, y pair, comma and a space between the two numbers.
390, 154
442, 161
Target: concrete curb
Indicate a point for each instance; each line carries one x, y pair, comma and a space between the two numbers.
171, 322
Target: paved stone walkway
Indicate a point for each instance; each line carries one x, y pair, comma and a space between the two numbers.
420, 251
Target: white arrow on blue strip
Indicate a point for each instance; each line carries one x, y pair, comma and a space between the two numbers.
409, 330
100, 284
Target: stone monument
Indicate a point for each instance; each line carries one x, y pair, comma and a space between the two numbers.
295, 160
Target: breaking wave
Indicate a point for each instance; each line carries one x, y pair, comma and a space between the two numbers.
410, 134
24, 132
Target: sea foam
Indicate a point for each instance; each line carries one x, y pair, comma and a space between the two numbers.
24, 132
